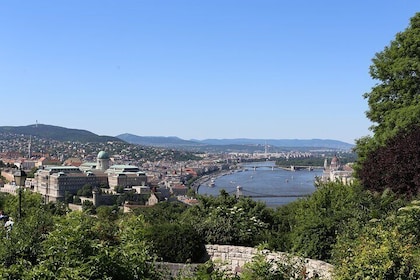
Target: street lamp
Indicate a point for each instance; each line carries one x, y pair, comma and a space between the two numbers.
20, 178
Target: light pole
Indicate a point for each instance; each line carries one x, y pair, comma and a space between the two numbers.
20, 178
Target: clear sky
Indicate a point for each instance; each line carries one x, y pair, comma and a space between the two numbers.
195, 69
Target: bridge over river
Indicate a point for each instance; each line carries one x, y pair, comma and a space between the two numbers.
240, 192
291, 168
268, 183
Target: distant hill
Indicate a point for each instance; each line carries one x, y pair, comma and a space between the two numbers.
237, 144
158, 141
58, 133
233, 144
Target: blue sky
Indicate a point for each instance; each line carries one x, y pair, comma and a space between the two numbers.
195, 69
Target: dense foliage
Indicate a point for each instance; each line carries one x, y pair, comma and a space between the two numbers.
51, 243
316, 161
229, 221
400, 159
394, 102
319, 219
178, 243
385, 248
300, 161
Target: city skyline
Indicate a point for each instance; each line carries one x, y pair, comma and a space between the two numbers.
195, 69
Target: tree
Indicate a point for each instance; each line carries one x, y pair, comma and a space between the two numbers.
81, 247
281, 228
31, 173
179, 243
208, 271
230, 221
163, 212
86, 191
394, 102
45, 244
384, 249
119, 189
134, 251
266, 269
321, 217
70, 244
88, 207
22, 248
394, 166
30, 202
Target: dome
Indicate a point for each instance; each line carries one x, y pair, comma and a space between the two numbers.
103, 155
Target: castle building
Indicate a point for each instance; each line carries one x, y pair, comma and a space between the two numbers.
126, 176
55, 182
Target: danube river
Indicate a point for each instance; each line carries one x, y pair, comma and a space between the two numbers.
263, 181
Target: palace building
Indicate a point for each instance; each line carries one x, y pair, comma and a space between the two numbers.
55, 182
336, 172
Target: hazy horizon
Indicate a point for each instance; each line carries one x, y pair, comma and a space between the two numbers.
195, 69
192, 139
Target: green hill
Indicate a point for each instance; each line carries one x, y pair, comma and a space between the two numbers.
58, 133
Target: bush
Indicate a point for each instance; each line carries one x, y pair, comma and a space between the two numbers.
178, 243
384, 249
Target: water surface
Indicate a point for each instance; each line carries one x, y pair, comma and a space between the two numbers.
260, 180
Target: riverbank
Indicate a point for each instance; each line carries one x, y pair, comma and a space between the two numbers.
207, 179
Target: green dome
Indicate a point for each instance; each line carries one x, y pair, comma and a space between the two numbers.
103, 155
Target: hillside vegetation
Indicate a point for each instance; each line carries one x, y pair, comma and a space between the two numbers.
58, 133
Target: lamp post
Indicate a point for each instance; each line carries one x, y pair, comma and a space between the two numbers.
20, 178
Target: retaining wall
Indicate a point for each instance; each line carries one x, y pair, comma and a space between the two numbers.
233, 258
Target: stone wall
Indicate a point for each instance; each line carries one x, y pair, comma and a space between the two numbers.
233, 258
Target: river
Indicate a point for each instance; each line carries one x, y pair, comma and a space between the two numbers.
264, 181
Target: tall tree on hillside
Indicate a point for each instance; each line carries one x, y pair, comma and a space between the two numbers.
394, 102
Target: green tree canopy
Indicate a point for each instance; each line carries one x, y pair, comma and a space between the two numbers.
178, 243
384, 249
321, 217
389, 159
394, 101
394, 166
228, 220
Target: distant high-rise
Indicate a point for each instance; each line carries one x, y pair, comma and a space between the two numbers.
30, 147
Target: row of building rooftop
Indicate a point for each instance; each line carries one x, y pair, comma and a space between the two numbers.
56, 178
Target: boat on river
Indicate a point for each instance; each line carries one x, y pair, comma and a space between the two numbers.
212, 183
